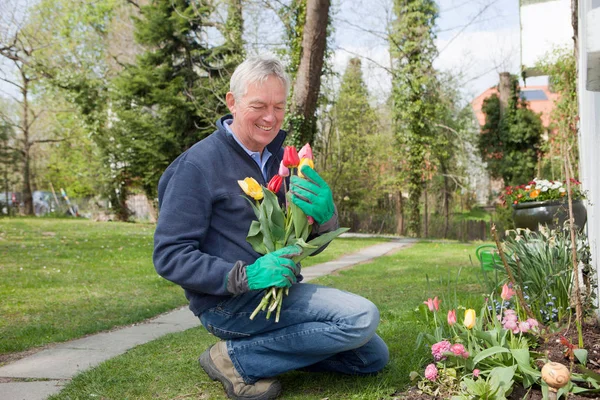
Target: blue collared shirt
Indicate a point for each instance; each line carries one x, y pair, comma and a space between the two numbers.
261, 160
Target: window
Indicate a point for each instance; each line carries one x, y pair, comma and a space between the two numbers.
532, 95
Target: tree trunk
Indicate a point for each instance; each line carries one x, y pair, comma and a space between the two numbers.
426, 212
504, 91
446, 205
308, 79
27, 192
399, 217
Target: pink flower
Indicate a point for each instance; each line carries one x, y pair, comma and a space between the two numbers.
457, 349
311, 220
438, 350
465, 354
306, 152
451, 317
476, 373
511, 318
283, 170
431, 372
507, 292
510, 325
434, 305
524, 326
533, 323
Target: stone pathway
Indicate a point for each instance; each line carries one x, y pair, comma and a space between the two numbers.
45, 373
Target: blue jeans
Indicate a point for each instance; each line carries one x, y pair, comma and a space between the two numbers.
320, 329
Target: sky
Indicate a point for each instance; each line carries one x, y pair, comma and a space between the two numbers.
476, 39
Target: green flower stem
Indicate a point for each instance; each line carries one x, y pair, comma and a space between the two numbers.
262, 304
280, 303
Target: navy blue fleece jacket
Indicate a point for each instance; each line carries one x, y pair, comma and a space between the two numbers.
204, 217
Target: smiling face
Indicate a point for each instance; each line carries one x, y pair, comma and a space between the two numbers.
258, 115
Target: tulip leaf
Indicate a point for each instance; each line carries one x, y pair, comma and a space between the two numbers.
530, 375
274, 215
582, 355
489, 352
590, 373
487, 336
318, 242
256, 210
265, 229
255, 238
502, 379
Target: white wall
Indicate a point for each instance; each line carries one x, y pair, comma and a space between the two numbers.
589, 133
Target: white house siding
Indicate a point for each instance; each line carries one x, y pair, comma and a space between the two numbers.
589, 111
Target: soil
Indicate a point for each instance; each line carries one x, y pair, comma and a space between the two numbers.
552, 346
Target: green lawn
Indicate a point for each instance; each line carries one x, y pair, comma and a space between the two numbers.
64, 278
167, 368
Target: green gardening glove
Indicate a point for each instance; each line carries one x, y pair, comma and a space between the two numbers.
274, 269
312, 195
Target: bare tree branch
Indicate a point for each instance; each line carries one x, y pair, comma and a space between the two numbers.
471, 21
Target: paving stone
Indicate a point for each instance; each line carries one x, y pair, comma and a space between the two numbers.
29, 390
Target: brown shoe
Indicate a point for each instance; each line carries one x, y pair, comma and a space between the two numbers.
218, 365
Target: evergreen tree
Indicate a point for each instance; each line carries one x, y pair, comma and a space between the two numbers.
510, 143
414, 92
350, 150
175, 92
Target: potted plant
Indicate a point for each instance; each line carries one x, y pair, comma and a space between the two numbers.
545, 202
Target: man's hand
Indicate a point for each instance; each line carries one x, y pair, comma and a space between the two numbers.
274, 269
312, 195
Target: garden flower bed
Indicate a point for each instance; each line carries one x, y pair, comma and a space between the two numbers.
528, 320
555, 350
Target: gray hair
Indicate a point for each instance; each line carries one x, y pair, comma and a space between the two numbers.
256, 70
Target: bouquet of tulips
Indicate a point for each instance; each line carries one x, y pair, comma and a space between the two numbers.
277, 226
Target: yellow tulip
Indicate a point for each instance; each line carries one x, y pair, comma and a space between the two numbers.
303, 162
469, 318
251, 188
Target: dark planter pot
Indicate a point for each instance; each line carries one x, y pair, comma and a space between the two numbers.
551, 213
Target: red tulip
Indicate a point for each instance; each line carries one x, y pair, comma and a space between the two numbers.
275, 183
290, 157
